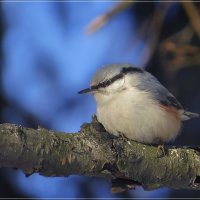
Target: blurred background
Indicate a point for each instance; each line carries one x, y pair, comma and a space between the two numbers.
50, 50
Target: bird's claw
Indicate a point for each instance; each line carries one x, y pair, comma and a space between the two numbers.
161, 151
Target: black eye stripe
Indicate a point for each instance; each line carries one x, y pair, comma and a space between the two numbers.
123, 72
108, 82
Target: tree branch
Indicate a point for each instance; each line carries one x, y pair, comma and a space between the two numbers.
93, 152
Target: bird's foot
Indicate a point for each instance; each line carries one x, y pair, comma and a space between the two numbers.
123, 137
161, 151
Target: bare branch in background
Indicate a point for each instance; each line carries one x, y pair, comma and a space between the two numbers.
176, 51
100, 21
193, 15
153, 25
154, 31
178, 45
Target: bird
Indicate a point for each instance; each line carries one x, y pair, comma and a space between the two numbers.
132, 103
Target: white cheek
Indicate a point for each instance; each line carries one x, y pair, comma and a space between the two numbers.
116, 86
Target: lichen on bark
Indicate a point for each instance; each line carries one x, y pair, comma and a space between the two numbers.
94, 152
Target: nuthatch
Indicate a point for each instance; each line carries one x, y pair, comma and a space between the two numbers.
133, 103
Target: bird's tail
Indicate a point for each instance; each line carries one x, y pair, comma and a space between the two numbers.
188, 115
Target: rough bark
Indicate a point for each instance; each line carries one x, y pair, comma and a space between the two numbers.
93, 152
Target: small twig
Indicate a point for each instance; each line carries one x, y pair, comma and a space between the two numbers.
101, 20
154, 31
176, 51
193, 15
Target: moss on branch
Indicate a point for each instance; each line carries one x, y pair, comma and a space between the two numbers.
93, 152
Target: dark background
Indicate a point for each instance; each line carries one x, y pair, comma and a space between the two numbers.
48, 53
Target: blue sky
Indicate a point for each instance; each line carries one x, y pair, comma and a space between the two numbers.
48, 58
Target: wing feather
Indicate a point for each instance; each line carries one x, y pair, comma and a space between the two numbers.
159, 92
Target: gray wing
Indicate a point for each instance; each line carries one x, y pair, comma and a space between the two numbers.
159, 92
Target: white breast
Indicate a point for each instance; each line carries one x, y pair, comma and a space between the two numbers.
134, 114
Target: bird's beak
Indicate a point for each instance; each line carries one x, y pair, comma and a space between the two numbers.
87, 90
